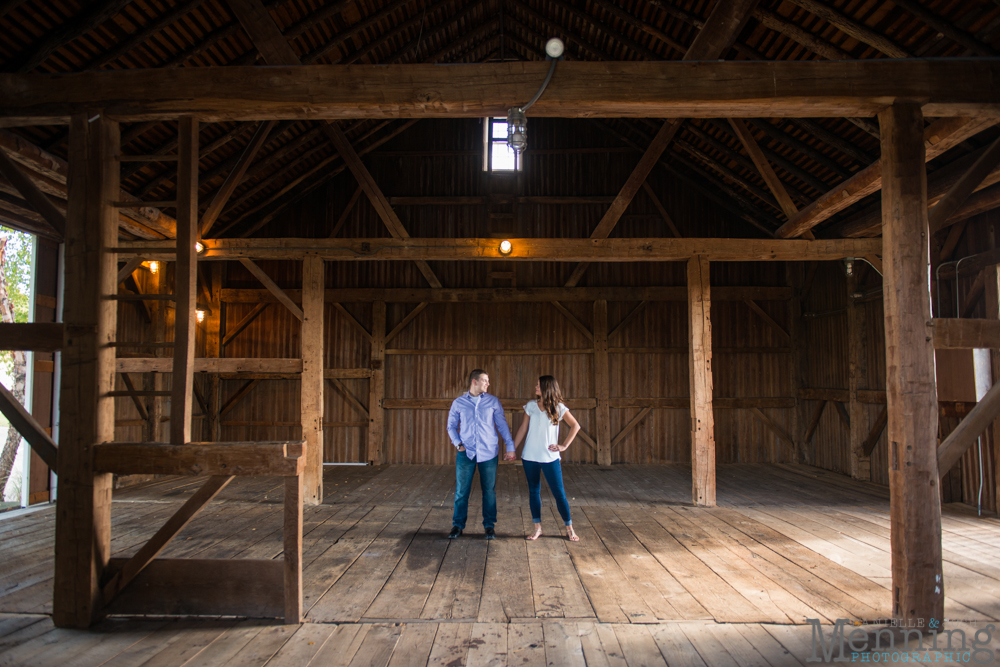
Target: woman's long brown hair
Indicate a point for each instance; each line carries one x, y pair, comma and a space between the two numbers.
551, 396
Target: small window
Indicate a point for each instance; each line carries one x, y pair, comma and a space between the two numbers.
497, 156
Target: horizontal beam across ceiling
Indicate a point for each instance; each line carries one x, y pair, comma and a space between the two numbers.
531, 250
946, 87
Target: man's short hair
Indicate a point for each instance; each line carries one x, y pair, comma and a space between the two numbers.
475, 375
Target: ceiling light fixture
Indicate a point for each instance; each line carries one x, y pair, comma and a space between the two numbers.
199, 247
517, 124
200, 315
505, 247
154, 267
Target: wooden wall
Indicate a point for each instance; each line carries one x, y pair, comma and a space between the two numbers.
432, 356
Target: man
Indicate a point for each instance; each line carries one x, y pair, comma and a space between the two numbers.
473, 422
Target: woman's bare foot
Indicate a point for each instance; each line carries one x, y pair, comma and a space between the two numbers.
571, 534
538, 532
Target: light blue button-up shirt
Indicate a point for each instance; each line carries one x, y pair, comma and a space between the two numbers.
474, 423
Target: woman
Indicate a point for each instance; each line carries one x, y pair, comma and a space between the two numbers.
542, 450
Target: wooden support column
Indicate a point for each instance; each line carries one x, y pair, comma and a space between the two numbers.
915, 505
83, 510
700, 367
313, 285
991, 282
376, 392
213, 348
856, 374
602, 382
185, 282
795, 276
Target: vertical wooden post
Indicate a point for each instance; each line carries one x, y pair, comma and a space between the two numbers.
185, 282
700, 367
293, 548
602, 382
915, 508
313, 286
794, 276
213, 347
856, 373
376, 425
87, 413
991, 277
154, 381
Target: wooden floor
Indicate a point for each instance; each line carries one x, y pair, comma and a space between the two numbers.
653, 580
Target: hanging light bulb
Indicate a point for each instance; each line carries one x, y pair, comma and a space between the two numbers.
849, 266
199, 247
517, 130
505, 247
200, 315
154, 267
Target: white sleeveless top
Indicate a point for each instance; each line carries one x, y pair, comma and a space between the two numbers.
541, 433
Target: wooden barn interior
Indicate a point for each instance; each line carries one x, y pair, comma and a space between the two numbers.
755, 241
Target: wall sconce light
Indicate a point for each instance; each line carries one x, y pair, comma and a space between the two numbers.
849, 266
517, 124
505, 247
154, 267
199, 247
200, 315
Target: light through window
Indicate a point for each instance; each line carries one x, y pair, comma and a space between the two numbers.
497, 156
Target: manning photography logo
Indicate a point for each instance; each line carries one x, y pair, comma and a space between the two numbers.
896, 644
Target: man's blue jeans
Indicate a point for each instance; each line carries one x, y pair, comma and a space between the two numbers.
465, 470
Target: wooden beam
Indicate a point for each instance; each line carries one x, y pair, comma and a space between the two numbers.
36, 336
577, 324
755, 307
245, 322
230, 365
376, 391
991, 287
915, 508
167, 532
311, 400
531, 249
235, 176
968, 430
240, 394
628, 191
412, 315
876, 432
853, 29
185, 283
721, 29
700, 370
602, 383
663, 212
38, 200
938, 137
130, 266
814, 422
292, 547
966, 185
346, 393
634, 313
130, 386
33, 432
279, 459
272, 287
857, 372
773, 427
630, 426
960, 333
808, 89
512, 294
83, 509
342, 220
213, 349
845, 416
353, 321
764, 167
795, 278
264, 34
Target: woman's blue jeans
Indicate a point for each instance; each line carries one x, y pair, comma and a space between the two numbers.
553, 477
